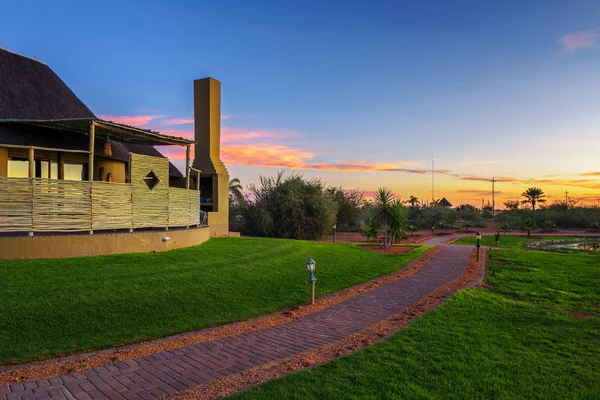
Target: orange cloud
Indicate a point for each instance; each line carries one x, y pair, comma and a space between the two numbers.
132, 120
584, 183
279, 156
478, 192
265, 156
579, 40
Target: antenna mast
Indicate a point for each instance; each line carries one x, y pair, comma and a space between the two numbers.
432, 179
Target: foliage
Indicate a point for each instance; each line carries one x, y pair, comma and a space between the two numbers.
527, 225
533, 196
236, 204
468, 215
391, 215
505, 227
370, 230
235, 191
289, 207
349, 208
58, 306
550, 225
511, 204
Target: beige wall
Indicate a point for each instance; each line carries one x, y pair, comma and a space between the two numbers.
3, 161
117, 168
80, 245
219, 220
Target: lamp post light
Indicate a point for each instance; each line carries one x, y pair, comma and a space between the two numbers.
478, 238
333, 231
310, 265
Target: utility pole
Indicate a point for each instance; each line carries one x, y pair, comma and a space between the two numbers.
432, 179
493, 197
567, 199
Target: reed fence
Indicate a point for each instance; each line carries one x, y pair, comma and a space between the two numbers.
49, 205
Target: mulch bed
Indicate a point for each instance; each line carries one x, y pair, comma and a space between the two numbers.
279, 368
52, 368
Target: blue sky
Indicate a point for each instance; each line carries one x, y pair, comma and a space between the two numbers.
343, 91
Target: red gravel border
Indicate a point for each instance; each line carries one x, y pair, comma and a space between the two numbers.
383, 329
69, 365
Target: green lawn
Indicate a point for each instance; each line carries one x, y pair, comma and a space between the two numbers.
516, 340
59, 306
506, 241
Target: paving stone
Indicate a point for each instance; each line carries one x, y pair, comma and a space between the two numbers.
170, 371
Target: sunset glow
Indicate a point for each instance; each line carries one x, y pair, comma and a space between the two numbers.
510, 92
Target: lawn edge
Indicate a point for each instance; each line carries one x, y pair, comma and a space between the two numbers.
73, 363
472, 275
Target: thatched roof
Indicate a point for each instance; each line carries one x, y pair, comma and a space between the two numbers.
30, 90
28, 135
38, 109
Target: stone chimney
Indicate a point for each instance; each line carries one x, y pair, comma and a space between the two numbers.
214, 182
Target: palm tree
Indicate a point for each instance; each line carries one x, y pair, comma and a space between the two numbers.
383, 201
533, 196
235, 190
397, 220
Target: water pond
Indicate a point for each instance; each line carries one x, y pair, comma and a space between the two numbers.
585, 245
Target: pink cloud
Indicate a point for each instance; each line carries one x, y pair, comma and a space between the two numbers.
186, 120
178, 121
133, 120
579, 40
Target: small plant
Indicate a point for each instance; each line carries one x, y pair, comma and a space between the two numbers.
505, 227
527, 225
412, 229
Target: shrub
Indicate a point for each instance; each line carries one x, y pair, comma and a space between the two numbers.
290, 207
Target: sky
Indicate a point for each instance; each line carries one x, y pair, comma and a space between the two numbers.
359, 94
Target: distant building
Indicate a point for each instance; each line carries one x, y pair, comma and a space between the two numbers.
445, 203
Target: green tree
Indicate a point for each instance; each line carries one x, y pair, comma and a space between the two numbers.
533, 196
350, 208
512, 204
391, 214
289, 207
235, 191
383, 201
397, 220
527, 225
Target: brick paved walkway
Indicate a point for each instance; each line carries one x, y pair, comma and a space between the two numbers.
171, 371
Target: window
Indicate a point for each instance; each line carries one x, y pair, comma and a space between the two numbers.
74, 172
48, 170
18, 168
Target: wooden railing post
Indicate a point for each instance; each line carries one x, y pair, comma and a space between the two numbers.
32, 184
187, 167
91, 168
